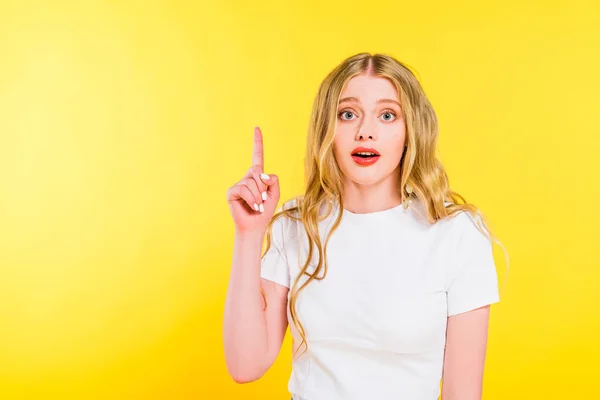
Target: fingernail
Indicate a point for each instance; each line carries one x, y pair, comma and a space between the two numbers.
262, 209
264, 176
264, 196
256, 206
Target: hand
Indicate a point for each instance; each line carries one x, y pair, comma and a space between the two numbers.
253, 200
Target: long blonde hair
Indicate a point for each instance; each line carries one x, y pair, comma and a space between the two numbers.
323, 179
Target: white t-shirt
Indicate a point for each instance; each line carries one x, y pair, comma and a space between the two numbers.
376, 324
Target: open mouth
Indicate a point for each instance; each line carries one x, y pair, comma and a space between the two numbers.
364, 156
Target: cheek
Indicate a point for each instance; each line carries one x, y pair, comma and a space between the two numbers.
394, 135
343, 139
345, 131
394, 144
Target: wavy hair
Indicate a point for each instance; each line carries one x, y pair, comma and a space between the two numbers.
323, 178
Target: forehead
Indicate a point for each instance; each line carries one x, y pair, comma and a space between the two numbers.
369, 89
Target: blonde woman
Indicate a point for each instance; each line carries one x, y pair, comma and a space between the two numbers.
385, 275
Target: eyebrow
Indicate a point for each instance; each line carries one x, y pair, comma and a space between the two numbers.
354, 99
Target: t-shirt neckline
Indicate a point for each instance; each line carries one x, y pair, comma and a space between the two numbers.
375, 214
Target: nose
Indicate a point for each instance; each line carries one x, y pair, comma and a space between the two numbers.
366, 130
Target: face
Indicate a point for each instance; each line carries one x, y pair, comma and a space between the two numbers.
370, 135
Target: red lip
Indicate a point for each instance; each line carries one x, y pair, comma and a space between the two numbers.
365, 161
365, 150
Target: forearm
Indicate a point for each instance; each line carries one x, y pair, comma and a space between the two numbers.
245, 327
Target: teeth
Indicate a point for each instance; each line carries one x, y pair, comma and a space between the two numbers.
362, 153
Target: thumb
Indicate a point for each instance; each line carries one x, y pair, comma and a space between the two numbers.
272, 182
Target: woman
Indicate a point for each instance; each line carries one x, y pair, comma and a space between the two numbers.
386, 278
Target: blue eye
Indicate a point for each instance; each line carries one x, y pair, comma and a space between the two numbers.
391, 115
345, 113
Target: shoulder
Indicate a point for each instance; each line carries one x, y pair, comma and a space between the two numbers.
464, 221
472, 227
290, 204
286, 221
290, 213
471, 239
290, 224
466, 230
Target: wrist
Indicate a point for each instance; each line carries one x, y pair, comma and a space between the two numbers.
250, 234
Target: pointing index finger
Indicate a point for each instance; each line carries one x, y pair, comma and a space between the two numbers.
257, 151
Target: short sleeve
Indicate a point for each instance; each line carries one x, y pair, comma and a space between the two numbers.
274, 265
474, 282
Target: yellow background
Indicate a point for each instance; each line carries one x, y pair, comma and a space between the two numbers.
122, 124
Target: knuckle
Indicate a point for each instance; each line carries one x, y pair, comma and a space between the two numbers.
252, 184
259, 181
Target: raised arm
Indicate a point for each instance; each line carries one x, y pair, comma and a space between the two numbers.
253, 330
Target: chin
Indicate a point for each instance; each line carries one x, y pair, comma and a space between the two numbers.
365, 178
365, 182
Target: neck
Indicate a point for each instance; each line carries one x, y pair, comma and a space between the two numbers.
380, 196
